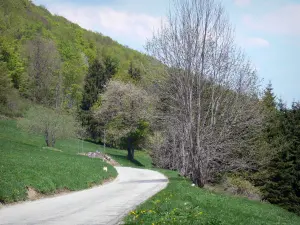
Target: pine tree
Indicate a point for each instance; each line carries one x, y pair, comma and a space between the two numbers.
283, 186
134, 72
269, 99
270, 130
268, 134
98, 75
94, 83
266, 138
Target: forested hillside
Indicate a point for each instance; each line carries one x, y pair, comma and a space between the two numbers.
24, 25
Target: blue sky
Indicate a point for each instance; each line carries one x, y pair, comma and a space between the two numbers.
268, 30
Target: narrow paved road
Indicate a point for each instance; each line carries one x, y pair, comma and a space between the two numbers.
106, 204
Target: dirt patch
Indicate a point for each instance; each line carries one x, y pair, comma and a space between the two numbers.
62, 191
108, 180
102, 156
52, 149
3, 117
33, 194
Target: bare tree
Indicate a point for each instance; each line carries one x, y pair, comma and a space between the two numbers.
45, 82
52, 124
209, 94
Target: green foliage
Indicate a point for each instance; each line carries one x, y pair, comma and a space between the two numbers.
283, 186
269, 100
5, 83
124, 112
181, 203
134, 71
73, 72
138, 136
52, 124
270, 126
25, 163
98, 75
10, 102
266, 139
10, 54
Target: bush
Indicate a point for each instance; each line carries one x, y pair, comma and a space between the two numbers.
15, 106
239, 186
52, 124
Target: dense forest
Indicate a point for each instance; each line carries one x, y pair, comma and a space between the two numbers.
196, 107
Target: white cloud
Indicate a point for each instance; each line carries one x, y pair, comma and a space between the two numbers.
242, 2
256, 42
284, 20
114, 23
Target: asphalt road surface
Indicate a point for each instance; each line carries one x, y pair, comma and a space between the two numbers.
106, 204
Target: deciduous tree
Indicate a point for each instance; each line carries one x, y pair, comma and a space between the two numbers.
124, 110
44, 78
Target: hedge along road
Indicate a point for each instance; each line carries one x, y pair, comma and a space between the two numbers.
106, 204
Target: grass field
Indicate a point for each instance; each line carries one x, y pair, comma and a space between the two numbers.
180, 203
25, 162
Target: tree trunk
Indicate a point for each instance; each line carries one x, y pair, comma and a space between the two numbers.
49, 139
48, 142
53, 140
130, 149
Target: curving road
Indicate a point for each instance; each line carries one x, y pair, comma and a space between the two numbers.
106, 204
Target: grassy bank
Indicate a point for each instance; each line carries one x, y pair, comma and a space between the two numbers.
25, 162
181, 203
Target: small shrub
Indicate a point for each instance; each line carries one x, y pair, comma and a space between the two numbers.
239, 186
15, 106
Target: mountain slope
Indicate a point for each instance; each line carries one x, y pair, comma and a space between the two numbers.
21, 21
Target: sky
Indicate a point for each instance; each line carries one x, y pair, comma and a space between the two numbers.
268, 31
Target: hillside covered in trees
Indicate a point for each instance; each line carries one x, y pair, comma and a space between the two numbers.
29, 31
194, 102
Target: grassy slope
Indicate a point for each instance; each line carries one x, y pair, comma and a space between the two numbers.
78, 146
24, 162
180, 203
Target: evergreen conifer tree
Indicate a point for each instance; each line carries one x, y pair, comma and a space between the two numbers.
283, 186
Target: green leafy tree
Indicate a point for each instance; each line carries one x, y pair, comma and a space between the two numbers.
74, 72
5, 83
9, 53
124, 112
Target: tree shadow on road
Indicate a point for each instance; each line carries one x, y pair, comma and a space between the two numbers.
122, 159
